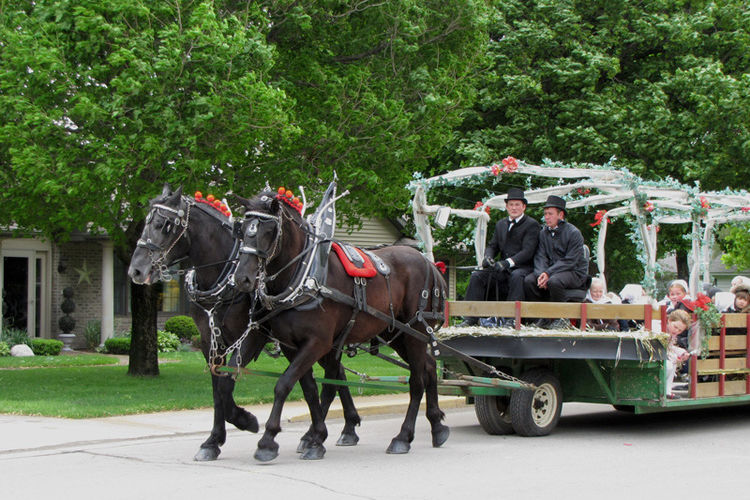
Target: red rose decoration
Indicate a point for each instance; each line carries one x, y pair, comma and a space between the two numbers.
510, 164
495, 170
648, 206
198, 195
704, 203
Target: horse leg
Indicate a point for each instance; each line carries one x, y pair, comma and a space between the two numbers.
268, 448
435, 415
402, 442
318, 432
209, 449
334, 369
236, 415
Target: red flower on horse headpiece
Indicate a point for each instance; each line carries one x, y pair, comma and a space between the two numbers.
288, 197
212, 201
441, 266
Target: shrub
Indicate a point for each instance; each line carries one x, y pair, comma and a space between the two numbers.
166, 341
117, 345
182, 326
196, 341
4, 349
46, 347
14, 336
93, 334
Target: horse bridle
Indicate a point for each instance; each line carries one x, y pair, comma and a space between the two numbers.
156, 253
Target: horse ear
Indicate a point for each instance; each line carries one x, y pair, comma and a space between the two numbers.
166, 190
243, 201
178, 193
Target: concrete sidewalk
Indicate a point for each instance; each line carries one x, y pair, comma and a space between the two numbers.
19, 433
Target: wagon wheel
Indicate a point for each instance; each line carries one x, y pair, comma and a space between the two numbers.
493, 415
536, 412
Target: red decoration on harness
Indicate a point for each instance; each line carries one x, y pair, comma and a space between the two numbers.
368, 271
288, 197
211, 201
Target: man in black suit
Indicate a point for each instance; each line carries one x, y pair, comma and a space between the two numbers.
508, 258
560, 263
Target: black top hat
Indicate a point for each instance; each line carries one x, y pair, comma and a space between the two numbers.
515, 194
555, 202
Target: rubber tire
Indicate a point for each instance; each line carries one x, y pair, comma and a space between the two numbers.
493, 415
624, 408
522, 404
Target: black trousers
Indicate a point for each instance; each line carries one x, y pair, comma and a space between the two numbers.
556, 286
487, 284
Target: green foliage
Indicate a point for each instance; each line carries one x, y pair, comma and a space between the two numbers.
735, 241
14, 336
662, 86
46, 347
182, 326
167, 342
92, 333
117, 345
4, 348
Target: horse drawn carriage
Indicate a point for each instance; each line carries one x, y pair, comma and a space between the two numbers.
625, 369
271, 276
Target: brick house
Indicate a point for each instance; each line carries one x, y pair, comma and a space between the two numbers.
34, 272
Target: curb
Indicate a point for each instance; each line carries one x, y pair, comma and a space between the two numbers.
384, 408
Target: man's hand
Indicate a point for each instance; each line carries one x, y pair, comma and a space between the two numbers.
501, 266
542, 280
488, 262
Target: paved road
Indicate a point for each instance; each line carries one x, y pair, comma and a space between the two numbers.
595, 452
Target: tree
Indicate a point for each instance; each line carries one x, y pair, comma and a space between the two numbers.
662, 86
104, 102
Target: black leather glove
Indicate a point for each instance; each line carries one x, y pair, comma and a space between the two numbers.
488, 262
501, 265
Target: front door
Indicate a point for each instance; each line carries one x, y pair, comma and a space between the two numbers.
23, 290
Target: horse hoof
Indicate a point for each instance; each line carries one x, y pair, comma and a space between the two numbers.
347, 440
248, 423
207, 454
398, 447
265, 455
304, 444
314, 452
441, 436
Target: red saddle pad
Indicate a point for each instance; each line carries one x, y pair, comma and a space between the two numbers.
368, 271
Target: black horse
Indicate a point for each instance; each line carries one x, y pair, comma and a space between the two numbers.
182, 229
274, 237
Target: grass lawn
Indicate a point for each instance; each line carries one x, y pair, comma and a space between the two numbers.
65, 388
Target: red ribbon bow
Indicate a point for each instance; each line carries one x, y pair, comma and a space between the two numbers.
598, 218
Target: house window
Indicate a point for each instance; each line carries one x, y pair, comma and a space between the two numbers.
170, 296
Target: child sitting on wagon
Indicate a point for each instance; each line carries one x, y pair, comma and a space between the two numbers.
598, 295
678, 322
677, 296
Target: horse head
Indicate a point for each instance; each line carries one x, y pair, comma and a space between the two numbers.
161, 242
271, 237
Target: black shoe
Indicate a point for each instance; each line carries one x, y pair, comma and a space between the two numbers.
508, 322
469, 322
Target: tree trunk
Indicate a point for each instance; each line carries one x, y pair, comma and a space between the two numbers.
683, 269
144, 358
